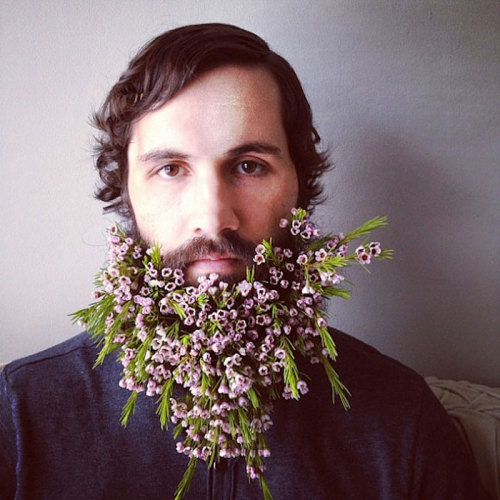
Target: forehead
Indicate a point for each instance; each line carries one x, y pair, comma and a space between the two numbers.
220, 108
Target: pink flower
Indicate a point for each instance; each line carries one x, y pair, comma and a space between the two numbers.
309, 311
279, 353
260, 249
302, 387
166, 272
321, 322
244, 287
302, 259
362, 255
259, 259
320, 255
119, 339
342, 251
375, 248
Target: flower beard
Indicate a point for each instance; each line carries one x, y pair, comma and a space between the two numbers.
217, 354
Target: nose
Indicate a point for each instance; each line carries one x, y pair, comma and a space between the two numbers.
213, 205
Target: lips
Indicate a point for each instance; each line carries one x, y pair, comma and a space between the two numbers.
214, 257
215, 263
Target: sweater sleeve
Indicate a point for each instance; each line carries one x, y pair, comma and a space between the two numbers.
7, 442
443, 466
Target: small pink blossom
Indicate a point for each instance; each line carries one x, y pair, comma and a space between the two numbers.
320, 255
260, 249
259, 259
375, 248
302, 387
302, 259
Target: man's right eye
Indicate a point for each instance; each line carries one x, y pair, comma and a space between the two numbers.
169, 171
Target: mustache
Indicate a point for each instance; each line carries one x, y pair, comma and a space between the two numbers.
230, 243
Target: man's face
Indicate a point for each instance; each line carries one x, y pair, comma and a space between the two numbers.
212, 167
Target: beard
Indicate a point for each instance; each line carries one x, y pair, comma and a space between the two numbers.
229, 243
199, 247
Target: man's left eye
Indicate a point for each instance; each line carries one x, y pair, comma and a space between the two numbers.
250, 167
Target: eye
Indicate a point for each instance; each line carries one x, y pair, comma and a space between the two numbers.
169, 171
250, 167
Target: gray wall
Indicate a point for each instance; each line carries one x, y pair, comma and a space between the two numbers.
405, 96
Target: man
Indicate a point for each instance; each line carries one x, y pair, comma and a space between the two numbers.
206, 142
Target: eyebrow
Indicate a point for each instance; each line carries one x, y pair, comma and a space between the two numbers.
162, 154
248, 147
256, 147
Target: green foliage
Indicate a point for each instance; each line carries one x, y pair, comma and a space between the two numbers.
300, 214
327, 341
331, 264
107, 349
338, 388
163, 410
128, 409
250, 274
365, 229
177, 308
244, 424
386, 254
172, 330
254, 398
331, 291
186, 479
156, 257
290, 370
178, 430
265, 489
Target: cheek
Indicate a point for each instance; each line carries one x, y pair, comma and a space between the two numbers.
290, 196
157, 221
285, 197
268, 207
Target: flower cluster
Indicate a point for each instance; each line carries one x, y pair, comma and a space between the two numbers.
216, 355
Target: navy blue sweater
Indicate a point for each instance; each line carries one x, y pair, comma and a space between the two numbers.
60, 436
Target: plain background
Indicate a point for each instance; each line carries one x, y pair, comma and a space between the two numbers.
405, 96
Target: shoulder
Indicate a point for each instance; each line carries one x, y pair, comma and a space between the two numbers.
53, 373
78, 349
357, 349
62, 377
365, 369
386, 398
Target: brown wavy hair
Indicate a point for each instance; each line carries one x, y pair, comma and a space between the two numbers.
166, 65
